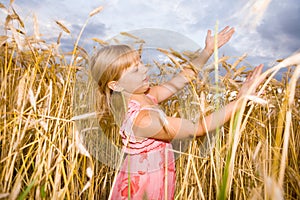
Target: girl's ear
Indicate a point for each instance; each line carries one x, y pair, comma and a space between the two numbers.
113, 85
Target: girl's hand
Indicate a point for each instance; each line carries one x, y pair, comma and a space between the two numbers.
223, 37
252, 79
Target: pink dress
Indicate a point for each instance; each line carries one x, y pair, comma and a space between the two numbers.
148, 171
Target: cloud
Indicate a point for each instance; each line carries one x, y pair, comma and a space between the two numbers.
95, 30
274, 31
280, 28
251, 14
160, 38
270, 35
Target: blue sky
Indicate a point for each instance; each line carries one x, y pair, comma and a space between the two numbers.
265, 29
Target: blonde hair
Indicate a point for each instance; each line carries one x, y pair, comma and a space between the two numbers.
107, 65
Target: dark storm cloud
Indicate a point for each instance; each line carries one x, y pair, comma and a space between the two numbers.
290, 25
280, 28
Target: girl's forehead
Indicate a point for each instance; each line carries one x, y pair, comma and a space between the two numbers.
134, 64
135, 57
132, 67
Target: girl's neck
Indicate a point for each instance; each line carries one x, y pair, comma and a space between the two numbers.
137, 97
141, 98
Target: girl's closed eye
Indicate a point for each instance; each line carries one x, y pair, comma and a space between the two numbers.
136, 67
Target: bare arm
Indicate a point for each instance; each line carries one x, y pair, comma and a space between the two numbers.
150, 124
166, 90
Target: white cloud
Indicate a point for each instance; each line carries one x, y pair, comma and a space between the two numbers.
191, 18
249, 17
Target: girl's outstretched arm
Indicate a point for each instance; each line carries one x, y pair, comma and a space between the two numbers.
150, 124
166, 90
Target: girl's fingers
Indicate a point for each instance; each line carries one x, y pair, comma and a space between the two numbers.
209, 33
226, 35
257, 70
252, 80
225, 29
249, 76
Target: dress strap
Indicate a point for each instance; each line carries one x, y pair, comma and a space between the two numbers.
134, 107
161, 113
154, 100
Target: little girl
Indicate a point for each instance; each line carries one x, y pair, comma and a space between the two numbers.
148, 171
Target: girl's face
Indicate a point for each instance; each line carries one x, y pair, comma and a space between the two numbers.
134, 79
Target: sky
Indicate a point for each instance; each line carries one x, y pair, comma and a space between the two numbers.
266, 30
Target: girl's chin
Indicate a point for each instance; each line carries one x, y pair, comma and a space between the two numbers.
142, 90
147, 86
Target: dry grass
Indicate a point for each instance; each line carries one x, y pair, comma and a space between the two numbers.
255, 156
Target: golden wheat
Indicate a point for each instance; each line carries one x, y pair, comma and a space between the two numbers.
44, 106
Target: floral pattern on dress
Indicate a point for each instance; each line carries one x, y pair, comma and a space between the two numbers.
143, 174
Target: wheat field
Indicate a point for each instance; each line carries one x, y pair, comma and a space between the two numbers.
50, 148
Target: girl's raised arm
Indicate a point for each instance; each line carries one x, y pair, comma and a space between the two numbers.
150, 124
166, 90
